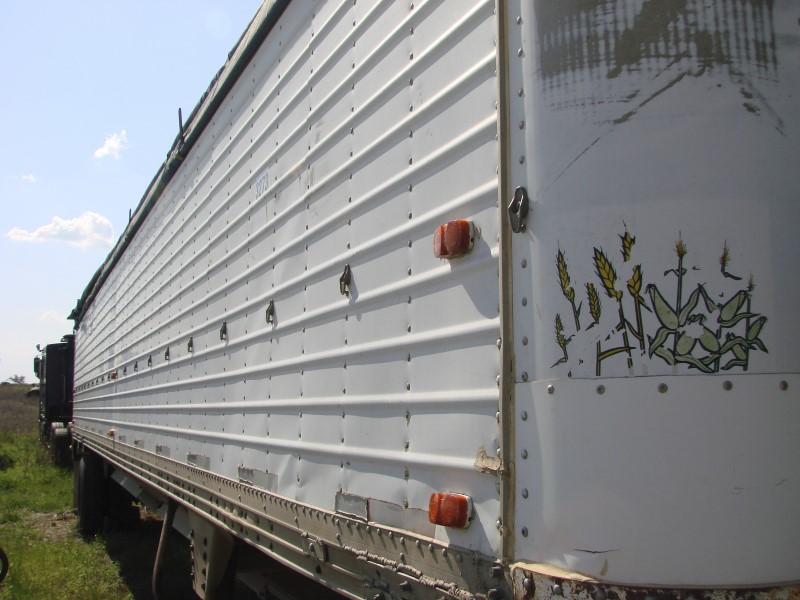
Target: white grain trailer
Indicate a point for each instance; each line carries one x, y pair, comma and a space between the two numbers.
472, 299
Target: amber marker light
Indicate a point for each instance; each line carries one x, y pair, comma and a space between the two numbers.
453, 239
450, 510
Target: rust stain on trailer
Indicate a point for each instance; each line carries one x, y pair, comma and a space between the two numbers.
540, 582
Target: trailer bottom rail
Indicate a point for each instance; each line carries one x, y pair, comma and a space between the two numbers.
291, 533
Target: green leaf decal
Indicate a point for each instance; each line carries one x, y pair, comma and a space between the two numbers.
755, 328
739, 352
658, 341
759, 344
666, 354
728, 310
736, 319
685, 344
666, 315
690, 305
708, 340
734, 362
694, 362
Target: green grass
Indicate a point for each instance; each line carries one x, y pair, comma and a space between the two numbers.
47, 557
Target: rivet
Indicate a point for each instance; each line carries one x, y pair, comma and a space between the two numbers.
524, 376
522, 160
525, 492
527, 585
601, 389
519, 52
519, 20
524, 415
497, 380
499, 343
525, 340
524, 263
522, 124
556, 590
551, 389
727, 386
520, 92
524, 454
662, 387
524, 302
498, 524
524, 532
783, 385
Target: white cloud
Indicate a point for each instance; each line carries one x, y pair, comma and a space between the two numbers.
113, 145
52, 316
29, 178
86, 231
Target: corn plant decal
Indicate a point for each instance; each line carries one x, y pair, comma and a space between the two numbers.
692, 330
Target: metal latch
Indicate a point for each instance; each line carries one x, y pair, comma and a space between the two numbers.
316, 548
344, 281
518, 210
271, 312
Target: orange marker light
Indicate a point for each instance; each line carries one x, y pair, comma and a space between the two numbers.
453, 239
450, 510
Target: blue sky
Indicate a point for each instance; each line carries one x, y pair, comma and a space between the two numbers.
88, 110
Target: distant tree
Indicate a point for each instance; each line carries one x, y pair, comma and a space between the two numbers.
18, 379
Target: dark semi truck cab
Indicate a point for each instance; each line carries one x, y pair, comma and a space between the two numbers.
54, 368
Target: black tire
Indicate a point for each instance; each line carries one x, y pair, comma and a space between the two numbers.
90, 495
59, 451
3, 565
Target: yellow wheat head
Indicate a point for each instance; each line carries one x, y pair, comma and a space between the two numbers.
594, 301
560, 339
563, 276
680, 248
605, 271
635, 283
627, 245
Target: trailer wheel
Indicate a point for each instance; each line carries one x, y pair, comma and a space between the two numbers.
90, 494
59, 451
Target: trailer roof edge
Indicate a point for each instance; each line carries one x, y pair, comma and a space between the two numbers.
238, 58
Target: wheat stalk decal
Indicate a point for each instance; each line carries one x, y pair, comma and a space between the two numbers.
627, 245
608, 277
566, 287
594, 304
635, 289
562, 341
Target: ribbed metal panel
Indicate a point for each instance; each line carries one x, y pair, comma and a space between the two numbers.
355, 131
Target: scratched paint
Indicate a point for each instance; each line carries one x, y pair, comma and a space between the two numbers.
599, 42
